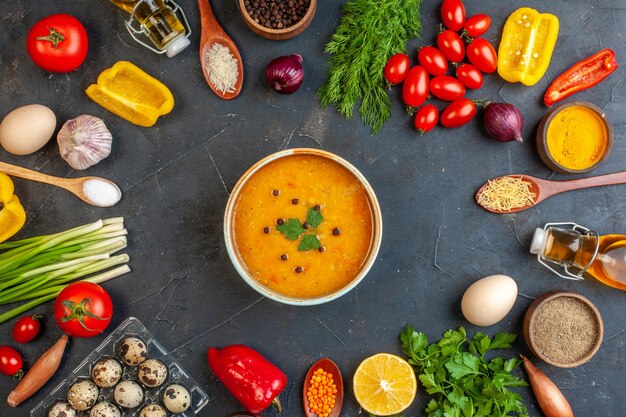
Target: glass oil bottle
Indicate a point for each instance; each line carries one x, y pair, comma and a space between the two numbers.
577, 250
159, 22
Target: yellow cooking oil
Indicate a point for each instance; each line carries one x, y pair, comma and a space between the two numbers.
570, 248
156, 18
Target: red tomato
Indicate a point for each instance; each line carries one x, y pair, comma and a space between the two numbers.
83, 309
396, 68
477, 25
433, 60
481, 53
415, 87
451, 45
470, 76
458, 113
453, 14
446, 88
426, 118
10, 361
57, 43
26, 329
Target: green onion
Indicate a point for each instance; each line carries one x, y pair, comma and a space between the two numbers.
38, 268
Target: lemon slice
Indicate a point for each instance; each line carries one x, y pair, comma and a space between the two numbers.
384, 384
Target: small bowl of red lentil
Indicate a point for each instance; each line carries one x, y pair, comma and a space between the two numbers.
277, 19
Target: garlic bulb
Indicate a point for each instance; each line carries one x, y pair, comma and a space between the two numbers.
84, 141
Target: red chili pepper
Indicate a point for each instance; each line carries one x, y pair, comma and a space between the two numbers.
251, 378
583, 75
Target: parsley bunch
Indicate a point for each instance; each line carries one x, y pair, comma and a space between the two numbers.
464, 384
369, 33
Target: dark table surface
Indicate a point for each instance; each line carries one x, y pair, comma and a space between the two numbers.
176, 177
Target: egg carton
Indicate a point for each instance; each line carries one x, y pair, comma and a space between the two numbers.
131, 327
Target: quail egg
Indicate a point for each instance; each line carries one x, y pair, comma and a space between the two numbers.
105, 409
83, 395
128, 394
153, 410
176, 398
62, 410
152, 373
133, 351
106, 372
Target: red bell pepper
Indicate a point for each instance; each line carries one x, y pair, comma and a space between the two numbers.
251, 378
583, 75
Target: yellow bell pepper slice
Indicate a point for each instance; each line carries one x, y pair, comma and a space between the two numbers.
12, 214
528, 40
128, 91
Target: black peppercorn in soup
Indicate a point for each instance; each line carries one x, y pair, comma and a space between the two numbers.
320, 226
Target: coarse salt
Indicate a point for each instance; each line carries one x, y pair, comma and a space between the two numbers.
221, 66
101, 193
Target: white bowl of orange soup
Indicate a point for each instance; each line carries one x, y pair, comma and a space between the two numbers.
302, 226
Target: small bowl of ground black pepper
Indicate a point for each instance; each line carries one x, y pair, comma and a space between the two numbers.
277, 19
563, 328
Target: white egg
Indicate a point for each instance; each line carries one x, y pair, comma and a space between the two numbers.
489, 300
27, 129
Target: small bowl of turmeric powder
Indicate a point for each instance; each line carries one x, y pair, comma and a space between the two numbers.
574, 138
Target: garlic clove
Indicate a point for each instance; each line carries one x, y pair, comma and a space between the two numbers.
84, 141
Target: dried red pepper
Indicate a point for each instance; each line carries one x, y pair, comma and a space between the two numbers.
583, 75
251, 378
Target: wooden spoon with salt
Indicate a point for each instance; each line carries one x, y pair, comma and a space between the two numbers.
546, 188
111, 194
213, 33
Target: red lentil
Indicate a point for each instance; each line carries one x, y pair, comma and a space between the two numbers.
322, 393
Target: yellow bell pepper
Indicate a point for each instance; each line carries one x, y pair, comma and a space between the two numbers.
528, 40
128, 91
12, 214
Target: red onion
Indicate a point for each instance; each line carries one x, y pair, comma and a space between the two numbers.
285, 74
503, 122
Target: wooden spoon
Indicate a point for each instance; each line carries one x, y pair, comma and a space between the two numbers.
213, 33
328, 366
73, 185
546, 188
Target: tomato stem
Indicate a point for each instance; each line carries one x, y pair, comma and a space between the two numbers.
79, 312
54, 36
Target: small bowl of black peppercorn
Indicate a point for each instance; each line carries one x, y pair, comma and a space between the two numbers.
277, 19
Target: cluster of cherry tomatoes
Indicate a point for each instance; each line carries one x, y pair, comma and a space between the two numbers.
435, 62
25, 330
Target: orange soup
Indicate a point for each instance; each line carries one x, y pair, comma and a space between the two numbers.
303, 226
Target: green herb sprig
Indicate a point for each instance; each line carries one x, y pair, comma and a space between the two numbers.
293, 229
463, 383
369, 32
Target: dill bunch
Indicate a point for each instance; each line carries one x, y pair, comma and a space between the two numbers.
369, 32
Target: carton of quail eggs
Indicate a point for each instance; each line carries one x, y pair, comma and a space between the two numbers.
129, 375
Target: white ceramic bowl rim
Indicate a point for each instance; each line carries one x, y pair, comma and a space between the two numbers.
251, 281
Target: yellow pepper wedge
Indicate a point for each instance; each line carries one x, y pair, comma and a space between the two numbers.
128, 91
528, 40
12, 214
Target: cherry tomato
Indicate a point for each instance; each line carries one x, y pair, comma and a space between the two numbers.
57, 43
26, 329
446, 88
10, 361
426, 118
397, 68
433, 60
453, 14
481, 53
458, 113
451, 45
470, 76
83, 309
415, 87
477, 25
